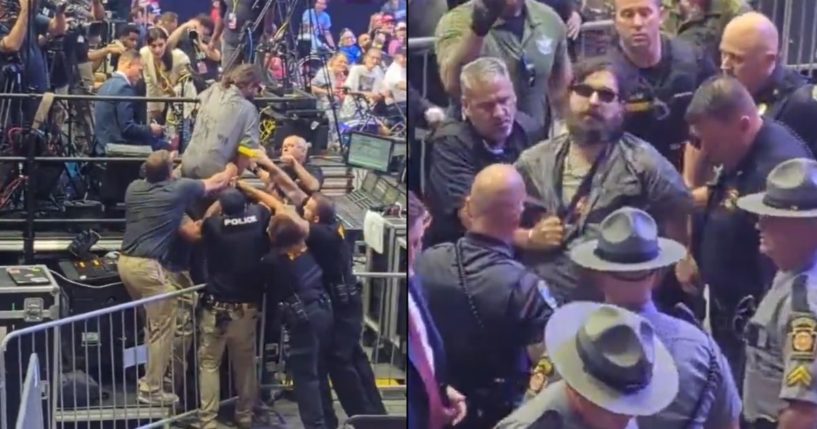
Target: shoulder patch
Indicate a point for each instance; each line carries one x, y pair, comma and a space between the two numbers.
803, 335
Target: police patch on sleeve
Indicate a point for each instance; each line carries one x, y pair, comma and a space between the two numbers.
803, 335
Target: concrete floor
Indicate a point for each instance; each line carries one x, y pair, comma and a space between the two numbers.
284, 414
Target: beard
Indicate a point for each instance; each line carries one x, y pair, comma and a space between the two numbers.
587, 128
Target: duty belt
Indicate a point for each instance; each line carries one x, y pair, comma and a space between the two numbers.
343, 292
211, 302
735, 319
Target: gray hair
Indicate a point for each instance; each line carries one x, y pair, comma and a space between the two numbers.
482, 69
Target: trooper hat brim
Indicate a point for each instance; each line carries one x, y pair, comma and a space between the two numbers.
560, 340
669, 252
753, 203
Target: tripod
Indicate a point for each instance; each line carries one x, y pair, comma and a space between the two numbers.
245, 39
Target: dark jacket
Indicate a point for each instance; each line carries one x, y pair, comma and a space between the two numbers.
417, 397
458, 153
115, 121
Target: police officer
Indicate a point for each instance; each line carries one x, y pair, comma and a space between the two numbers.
526, 34
614, 367
749, 52
350, 371
487, 306
234, 243
731, 133
626, 263
666, 71
493, 131
294, 278
779, 391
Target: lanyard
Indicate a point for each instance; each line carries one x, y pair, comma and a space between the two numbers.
569, 214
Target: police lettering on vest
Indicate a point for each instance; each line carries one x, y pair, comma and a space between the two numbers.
240, 221
234, 247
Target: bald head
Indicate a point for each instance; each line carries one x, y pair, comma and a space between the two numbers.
754, 30
749, 49
497, 196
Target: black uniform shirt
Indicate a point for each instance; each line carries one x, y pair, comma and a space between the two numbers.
235, 246
790, 99
672, 81
329, 248
731, 262
458, 154
486, 329
288, 274
314, 170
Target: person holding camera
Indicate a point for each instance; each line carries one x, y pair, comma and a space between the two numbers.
21, 42
193, 38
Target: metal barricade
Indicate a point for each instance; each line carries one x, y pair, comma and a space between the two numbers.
89, 363
37, 173
796, 20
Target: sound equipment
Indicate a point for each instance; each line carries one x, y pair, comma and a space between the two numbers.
94, 269
87, 347
29, 295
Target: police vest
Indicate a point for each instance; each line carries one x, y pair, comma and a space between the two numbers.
655, 110
481, 352
772, 103
234, 247
308, 274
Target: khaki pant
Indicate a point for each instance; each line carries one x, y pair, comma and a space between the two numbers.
176, 380
144, 278
234, 329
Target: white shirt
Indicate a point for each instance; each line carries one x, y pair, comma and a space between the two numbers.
361, 80
394, 75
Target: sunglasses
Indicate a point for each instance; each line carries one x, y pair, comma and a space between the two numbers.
587, 91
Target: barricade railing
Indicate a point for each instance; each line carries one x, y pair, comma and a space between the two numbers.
90, 362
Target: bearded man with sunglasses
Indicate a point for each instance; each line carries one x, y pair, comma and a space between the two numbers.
575, 180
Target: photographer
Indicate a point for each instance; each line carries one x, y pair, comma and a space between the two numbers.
71, 51
34, 64
193, 38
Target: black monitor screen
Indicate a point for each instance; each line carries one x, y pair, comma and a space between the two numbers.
368, 151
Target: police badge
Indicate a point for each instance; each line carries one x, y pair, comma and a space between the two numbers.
803, 334
730, 200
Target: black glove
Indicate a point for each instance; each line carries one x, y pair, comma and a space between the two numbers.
484, 15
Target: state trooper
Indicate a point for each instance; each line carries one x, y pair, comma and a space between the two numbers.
614, 367
627, 263
778, 388
666, 72
487, 307
750, 53
234, 243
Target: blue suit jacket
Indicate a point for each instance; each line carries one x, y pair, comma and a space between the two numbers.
417, 397
115, 121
